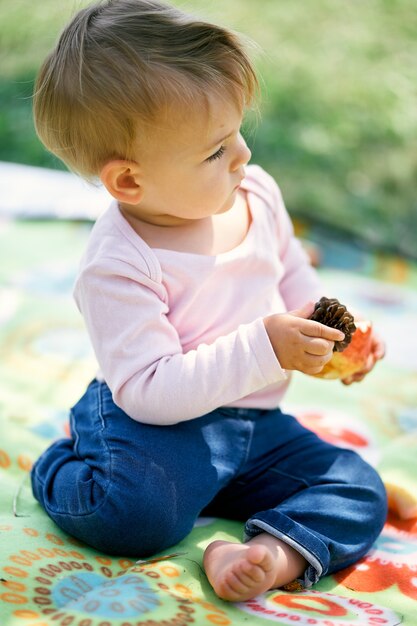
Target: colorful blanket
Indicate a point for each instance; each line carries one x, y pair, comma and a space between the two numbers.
49, 578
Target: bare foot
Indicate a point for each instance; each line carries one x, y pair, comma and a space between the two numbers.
239, 572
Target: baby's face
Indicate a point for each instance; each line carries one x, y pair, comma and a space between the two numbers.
192, 165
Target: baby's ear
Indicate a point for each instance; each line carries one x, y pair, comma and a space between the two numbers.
122, 180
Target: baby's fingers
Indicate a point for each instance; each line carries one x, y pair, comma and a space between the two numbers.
313, 364
358, 376
319, 347
378, 348
315, 329
354, 378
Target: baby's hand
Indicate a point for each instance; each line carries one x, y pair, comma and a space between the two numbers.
299, 343
376, 353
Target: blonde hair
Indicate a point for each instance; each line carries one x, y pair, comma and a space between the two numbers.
118, 64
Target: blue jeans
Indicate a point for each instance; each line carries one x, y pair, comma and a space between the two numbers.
134, 489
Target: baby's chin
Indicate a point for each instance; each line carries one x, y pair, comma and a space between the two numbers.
228, 205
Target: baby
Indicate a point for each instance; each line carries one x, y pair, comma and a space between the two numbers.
196, 297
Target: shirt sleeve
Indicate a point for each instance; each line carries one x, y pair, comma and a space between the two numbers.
140, 354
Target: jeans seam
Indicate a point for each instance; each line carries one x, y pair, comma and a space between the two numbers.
301, 481
298, 479
108, 483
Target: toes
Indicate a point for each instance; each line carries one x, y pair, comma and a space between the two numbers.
231, 588
241, 579
258, 555
245, 576
235, 582
239, 573
251, 573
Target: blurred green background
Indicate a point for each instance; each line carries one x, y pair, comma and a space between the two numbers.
339, 119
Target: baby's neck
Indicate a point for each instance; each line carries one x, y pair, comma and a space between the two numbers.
210, 236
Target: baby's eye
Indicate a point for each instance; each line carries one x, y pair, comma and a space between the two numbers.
217, 155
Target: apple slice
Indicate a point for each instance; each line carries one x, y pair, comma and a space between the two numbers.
353, 358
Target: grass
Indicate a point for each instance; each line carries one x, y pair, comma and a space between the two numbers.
339, 116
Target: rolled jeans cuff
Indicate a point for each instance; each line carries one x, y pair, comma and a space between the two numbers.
311, 547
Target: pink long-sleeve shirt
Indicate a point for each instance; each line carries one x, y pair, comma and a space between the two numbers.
176, 334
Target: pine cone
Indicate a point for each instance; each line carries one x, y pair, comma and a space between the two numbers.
330, 312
